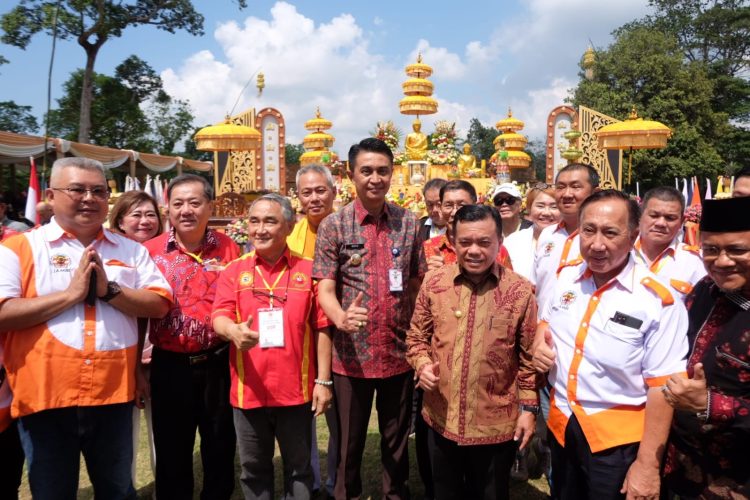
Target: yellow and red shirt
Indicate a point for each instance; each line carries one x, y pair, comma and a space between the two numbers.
679, 264
612, 344
275, 376
84, 356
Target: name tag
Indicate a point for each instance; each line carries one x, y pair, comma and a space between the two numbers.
395, 279
271, 327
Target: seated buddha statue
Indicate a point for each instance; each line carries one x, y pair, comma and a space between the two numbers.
466, 161
416, 143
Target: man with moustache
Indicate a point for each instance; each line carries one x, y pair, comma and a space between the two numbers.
190, 363
367, 261
710, 435
610, 337
658, 246
70, 295
316, 192
470, 345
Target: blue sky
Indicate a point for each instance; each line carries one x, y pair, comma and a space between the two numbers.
348, 57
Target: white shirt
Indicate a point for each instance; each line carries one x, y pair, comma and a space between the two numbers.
679, 264
555, 248
612, 344
520, 246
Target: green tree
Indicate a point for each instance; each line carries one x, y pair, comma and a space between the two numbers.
170, 122
92, 23
17, 118
646, 68
118, 119
292, 152
480, 138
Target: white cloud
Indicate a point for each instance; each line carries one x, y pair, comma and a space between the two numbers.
529, 63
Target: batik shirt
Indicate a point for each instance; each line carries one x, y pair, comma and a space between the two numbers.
358, 251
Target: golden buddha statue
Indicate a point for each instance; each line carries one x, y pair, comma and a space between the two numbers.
416, 143
466, 161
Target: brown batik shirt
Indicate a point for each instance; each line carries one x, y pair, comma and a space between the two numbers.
481, 336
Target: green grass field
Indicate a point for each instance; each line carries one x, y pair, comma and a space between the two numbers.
371, 470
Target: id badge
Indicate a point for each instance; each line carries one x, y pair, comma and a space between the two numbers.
396, 281
271, 327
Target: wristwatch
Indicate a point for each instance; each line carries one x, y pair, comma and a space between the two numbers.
113, 290
531, 409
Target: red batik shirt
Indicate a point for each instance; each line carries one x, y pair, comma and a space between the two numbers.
274, 376
379, 349
187, 326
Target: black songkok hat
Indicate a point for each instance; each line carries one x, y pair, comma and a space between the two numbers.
730, 215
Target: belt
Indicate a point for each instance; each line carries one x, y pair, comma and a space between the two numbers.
194, 358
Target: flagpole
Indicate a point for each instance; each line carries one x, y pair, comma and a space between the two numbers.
49, 88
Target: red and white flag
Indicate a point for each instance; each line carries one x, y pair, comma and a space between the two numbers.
33, 196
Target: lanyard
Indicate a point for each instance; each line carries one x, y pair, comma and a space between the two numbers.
271, 288
195, 256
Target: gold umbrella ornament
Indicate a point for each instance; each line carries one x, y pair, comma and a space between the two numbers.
633, 133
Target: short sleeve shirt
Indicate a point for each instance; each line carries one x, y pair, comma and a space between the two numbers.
612, 343
187, 326
556, 248
84, 356
358, 252
273, 376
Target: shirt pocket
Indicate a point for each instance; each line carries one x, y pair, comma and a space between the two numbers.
121, 273
620, 347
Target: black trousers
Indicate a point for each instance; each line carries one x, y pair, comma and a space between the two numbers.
580, 474
475, 471
421, 446
11, 462
187, 396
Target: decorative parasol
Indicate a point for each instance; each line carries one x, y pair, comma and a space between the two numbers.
633, 133
227, 136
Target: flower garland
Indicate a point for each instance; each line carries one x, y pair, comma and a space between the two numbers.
693, 213
237, 231
443, 144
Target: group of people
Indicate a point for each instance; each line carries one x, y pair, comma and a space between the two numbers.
465, 326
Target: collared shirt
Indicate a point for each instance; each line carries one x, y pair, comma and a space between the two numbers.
679, 264
481, 336
612, 344
379, 349
302, 239
441, 245
187, 326
84, 356
274, 376
555, 249
709, 459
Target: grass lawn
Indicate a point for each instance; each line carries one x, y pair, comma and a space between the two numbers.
371, 470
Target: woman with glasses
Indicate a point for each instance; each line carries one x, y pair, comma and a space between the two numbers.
543, 212
136, 215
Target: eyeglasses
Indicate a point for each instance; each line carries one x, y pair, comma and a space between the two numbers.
79, 193
711, 252
451, 206
505, 201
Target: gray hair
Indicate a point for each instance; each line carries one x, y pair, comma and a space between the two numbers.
318, 169
75, 162
286, 206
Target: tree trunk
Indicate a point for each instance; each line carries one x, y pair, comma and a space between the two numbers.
87, 94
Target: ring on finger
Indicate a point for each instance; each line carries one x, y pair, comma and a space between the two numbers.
360, 323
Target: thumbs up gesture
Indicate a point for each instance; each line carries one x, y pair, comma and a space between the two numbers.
355, 317
688, 394
544, 355
243, 336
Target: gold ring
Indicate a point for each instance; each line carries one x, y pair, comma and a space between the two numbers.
361, 323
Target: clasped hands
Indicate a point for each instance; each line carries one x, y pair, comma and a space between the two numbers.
79, 284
